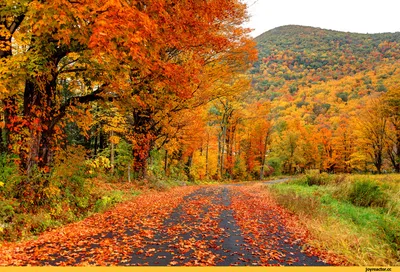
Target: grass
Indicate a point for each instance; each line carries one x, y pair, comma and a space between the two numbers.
355, 216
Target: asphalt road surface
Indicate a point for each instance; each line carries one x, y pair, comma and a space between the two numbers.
222, 225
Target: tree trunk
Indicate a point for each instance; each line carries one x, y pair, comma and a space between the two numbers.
10, 109
96, 138
39, 109
221, 165
208, 140
188, 167
143, 134
166, 163
378, 160
219, 153
101, 140
112, 156
141, 154
230, 137
129, 173
263, 156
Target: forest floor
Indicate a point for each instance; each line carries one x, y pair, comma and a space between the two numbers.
185, 226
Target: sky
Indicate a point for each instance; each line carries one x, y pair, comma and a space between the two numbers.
360, 16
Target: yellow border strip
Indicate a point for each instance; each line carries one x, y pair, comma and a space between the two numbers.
199, 269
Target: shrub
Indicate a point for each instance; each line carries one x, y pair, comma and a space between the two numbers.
339, 179
40, 222
25, 224
159, 185
276, 164
391, 234
314, 177
102, 203
7, 168
8, 175
366, 193
107, 201
7, 210
298, 202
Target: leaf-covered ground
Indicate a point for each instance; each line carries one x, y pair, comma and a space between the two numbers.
213, 225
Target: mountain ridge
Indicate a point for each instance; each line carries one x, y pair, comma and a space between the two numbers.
308, 28
307, 55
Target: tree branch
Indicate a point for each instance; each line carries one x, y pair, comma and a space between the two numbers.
73, 70
72, 101
16, 23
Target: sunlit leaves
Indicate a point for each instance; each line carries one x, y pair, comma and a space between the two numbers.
141, 54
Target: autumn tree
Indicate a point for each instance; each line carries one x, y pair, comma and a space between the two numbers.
103, 52
48, 45
329, 154
226, 114
11, 17
288, 145
258, 125
392, 110
372, 126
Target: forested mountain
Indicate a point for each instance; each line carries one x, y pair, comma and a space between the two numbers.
305, 55
329, 94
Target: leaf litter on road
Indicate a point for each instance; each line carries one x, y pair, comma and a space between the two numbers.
187, 226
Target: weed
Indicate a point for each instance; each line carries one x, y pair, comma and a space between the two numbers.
7, 210
107, 201
45, 200
390, 232
339, 179
314, 177
366, 193
355, 216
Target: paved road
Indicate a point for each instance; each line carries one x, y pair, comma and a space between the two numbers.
215, 225
275, 181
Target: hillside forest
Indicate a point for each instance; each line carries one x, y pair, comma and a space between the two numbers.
115, 91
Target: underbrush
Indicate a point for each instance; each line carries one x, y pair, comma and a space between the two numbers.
73, 190
30, 206
162, 184
19, 220
356, 216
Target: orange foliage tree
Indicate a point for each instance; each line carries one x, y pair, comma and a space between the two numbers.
68, 53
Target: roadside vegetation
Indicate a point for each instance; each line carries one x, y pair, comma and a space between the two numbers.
77, 187
70, 192
357, 216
